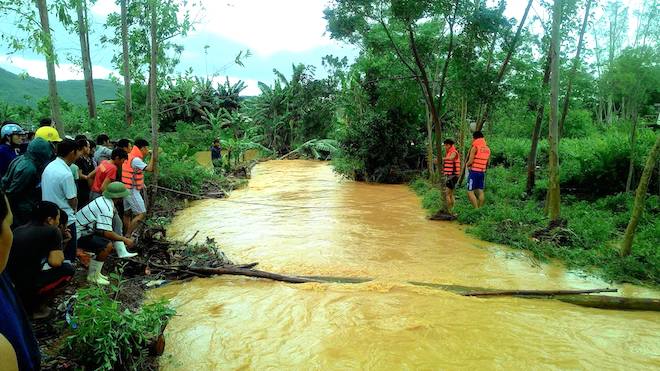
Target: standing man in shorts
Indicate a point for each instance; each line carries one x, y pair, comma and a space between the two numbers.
132, 176
451, 168
477, 164
94, 226
59, 187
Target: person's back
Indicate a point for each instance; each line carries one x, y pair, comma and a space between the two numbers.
477, 164
58, 186
86, 166
22, 181
30, 249
106, 170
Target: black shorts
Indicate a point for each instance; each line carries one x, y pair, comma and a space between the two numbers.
451, 182
93, 243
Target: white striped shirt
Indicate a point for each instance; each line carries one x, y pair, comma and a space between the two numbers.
95, 216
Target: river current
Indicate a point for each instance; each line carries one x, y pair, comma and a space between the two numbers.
299, 218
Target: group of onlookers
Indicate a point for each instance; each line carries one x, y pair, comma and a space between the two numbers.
64, 201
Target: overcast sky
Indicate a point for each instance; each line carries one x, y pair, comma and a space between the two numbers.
277, 32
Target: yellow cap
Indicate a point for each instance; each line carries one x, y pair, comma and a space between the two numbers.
48, 133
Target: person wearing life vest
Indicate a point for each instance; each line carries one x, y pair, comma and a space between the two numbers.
476, 165
132, 175
451, 168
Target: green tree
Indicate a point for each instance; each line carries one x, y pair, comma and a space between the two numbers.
640, 197
553, 132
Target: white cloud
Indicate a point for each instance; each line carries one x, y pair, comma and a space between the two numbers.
63, 71
104, 7
267, 27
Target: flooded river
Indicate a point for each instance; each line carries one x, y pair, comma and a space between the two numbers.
298, 218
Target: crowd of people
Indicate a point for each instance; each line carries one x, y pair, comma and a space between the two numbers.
65, 202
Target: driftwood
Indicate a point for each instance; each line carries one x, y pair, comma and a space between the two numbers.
480, 291
237, 271
443, 216
612, 302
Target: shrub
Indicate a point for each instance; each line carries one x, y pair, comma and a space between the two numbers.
593, 231
579, 124
108, 338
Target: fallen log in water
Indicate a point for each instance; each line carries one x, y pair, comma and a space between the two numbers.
237, 271
480, 291
576, 297
611, 302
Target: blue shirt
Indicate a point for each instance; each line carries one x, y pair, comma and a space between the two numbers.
15, 326
7, 154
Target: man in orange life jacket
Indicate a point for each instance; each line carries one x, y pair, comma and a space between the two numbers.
132, 175
477, 164
451, 168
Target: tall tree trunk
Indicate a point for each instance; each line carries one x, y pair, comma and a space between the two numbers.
500, 74
633, 144
640, 198
153, 94
553, 132
50, 66
576, 64
128, 101
429, 143
83, 32
536, 133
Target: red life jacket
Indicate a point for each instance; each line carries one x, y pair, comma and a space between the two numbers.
132, 178
481, 155
451, 167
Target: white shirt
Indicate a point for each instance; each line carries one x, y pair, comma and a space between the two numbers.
138, 164
58, 186
95, 216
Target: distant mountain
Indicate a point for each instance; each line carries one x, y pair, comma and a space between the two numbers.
15, 89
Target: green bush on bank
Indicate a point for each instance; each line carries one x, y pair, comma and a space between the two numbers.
590, 241
597, 164
106, 337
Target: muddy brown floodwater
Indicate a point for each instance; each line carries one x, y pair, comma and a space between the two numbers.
298, 218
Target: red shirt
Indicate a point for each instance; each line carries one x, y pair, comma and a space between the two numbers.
106, 170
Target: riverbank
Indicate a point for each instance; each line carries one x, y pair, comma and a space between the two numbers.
127, 332
588, 242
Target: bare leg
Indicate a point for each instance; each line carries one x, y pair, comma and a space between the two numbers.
482, 197
134, 224
103, 254
450, 199
127, 222
473, 199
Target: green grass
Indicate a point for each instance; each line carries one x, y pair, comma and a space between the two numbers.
590, 241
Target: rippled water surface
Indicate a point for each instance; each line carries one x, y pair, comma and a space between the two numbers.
298, 218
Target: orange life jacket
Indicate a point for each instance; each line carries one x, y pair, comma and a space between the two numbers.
481, 156
451, 167
132, 178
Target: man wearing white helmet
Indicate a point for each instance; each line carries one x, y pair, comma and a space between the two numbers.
11, 137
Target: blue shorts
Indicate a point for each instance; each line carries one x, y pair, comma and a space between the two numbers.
476, 180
